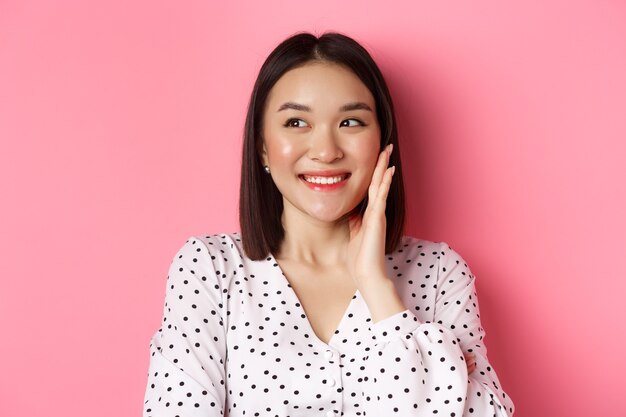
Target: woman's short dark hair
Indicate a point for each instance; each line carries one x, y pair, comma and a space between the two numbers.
260, 201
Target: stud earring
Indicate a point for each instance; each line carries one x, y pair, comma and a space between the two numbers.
267, 169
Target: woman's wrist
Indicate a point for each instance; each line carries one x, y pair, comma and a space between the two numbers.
381, 298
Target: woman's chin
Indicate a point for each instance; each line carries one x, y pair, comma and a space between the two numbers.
327, 215
323, 212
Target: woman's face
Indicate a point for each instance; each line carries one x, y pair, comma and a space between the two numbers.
321, 140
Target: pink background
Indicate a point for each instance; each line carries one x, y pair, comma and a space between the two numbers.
120, 126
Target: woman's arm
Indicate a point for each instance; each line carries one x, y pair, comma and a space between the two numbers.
419, 368
457, 308
186, 375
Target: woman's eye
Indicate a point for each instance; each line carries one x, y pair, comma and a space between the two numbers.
295, 123
352, 123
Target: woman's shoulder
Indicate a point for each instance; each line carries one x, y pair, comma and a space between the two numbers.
216, 244
219, 240
440, 253
423, 246
218, 247
216, 254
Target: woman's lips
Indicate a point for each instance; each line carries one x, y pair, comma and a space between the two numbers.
325, 182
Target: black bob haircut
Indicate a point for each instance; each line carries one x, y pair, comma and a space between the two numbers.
260, 202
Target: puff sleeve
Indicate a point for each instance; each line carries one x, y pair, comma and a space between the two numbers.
187, 354
418, 369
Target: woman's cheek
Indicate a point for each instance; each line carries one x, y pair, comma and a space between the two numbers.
279, 149
286, 148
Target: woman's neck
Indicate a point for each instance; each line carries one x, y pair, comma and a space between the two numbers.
314, 242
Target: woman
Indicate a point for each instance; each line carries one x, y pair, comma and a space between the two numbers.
320, 306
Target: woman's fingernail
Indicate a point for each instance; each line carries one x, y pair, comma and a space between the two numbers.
389, 148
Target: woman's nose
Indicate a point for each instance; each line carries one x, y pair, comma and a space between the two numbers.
324, 146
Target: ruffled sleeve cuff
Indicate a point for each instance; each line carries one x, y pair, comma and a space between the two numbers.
400, 324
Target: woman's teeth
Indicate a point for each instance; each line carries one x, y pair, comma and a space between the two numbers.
324, 180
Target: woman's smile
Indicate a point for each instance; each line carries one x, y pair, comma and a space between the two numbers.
325, 181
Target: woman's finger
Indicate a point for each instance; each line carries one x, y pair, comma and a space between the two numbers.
379, 172
471, 368
377, 175
381, 198
470, 360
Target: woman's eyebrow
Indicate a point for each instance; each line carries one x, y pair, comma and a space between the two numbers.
294, 106
358, 105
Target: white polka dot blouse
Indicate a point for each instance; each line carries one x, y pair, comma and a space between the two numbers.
235, 341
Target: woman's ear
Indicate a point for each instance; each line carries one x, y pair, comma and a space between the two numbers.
263, 153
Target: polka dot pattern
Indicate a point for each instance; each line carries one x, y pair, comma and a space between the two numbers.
235, 341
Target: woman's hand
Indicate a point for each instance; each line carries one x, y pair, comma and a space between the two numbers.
470, 361
366, 250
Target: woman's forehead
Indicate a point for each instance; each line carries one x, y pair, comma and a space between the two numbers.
319, 84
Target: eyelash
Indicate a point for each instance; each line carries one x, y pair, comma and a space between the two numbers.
357, 120
289, 121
